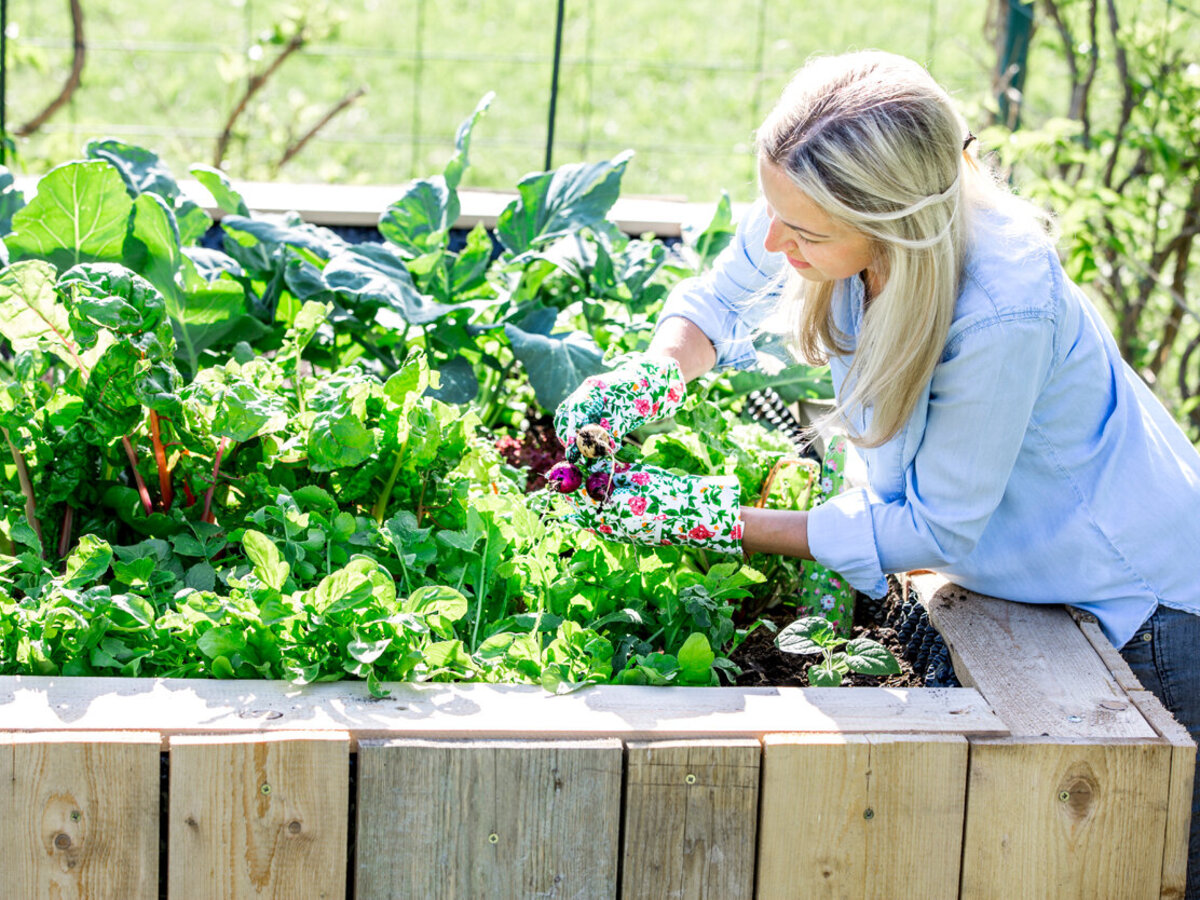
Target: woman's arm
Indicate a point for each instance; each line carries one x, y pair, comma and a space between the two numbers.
686, 344
783, 531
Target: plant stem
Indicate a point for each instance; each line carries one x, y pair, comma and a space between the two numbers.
385, 495
206, 515
480, 587
143, 491
26, 485
160, 460
64, 539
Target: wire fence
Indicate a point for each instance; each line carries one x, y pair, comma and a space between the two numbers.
682, 85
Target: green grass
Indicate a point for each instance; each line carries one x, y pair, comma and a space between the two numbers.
683, 84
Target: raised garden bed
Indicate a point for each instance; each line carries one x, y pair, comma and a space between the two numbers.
1052, 774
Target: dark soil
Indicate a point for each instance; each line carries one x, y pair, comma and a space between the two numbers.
763, 664
537, 450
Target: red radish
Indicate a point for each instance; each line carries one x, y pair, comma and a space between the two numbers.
564, 478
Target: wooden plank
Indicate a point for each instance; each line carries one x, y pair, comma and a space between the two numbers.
1031, 663
1089, 626
483, 818
691, 809
259, 816
1179, 799
191, 706
1065, 819
79, 815
861, 816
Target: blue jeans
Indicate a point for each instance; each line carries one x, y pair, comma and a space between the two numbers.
1165, 657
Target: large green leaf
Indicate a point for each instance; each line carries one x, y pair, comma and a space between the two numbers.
458, 384
370, 276
555, 364
420, 221
227, 197
109, 296
142, 169
202, 312
554, 204
80, 214
31, 317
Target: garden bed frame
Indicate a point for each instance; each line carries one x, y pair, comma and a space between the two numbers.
1053, 774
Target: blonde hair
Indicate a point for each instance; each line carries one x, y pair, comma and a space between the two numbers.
878, 145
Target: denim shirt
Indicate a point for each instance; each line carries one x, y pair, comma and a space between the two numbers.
1036, 467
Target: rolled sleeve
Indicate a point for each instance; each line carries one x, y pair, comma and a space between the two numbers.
727, 302
841, 537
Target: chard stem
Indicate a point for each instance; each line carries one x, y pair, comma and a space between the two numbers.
26, 485
206, 515
143, 491
160, 460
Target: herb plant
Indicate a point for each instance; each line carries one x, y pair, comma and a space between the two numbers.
815, 636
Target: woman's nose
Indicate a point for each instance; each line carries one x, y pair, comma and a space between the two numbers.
776, 238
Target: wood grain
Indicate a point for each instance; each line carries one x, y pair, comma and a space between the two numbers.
1065, 819
691, 810
497, 819
861, 816
259, 816
1032, 664
79, 816
1179, 798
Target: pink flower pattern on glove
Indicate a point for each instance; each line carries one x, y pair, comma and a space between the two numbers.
647, 505
636, 393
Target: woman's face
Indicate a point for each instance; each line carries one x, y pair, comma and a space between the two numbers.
815, 245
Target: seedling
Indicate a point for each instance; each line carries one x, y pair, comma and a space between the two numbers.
815, 635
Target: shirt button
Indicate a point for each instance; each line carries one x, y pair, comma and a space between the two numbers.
1147, 637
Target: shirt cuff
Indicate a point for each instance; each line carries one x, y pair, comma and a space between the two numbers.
841, 536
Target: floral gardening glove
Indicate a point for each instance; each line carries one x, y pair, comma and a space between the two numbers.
647, 505
645, 390
823, 592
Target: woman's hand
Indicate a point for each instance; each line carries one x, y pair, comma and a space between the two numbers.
645, 390
648, 505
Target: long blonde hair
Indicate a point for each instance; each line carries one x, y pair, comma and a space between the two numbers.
873, 140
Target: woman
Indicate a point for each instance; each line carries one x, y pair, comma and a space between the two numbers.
1007, 445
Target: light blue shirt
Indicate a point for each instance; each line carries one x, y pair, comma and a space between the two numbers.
1037, 467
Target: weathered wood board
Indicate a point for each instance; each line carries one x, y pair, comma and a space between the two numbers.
79, 816
869, 817
446, 819
1065, 819
1031, 663
691, 811
259, 816
630, 712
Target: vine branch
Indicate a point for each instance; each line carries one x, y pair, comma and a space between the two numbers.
73, 80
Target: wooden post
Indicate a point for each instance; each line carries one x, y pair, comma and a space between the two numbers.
862, 816
259, 816
488, 818
79, 815
691, 809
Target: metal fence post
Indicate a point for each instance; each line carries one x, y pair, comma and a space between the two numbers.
558, 31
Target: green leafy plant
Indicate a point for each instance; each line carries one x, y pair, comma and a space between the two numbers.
815, 636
